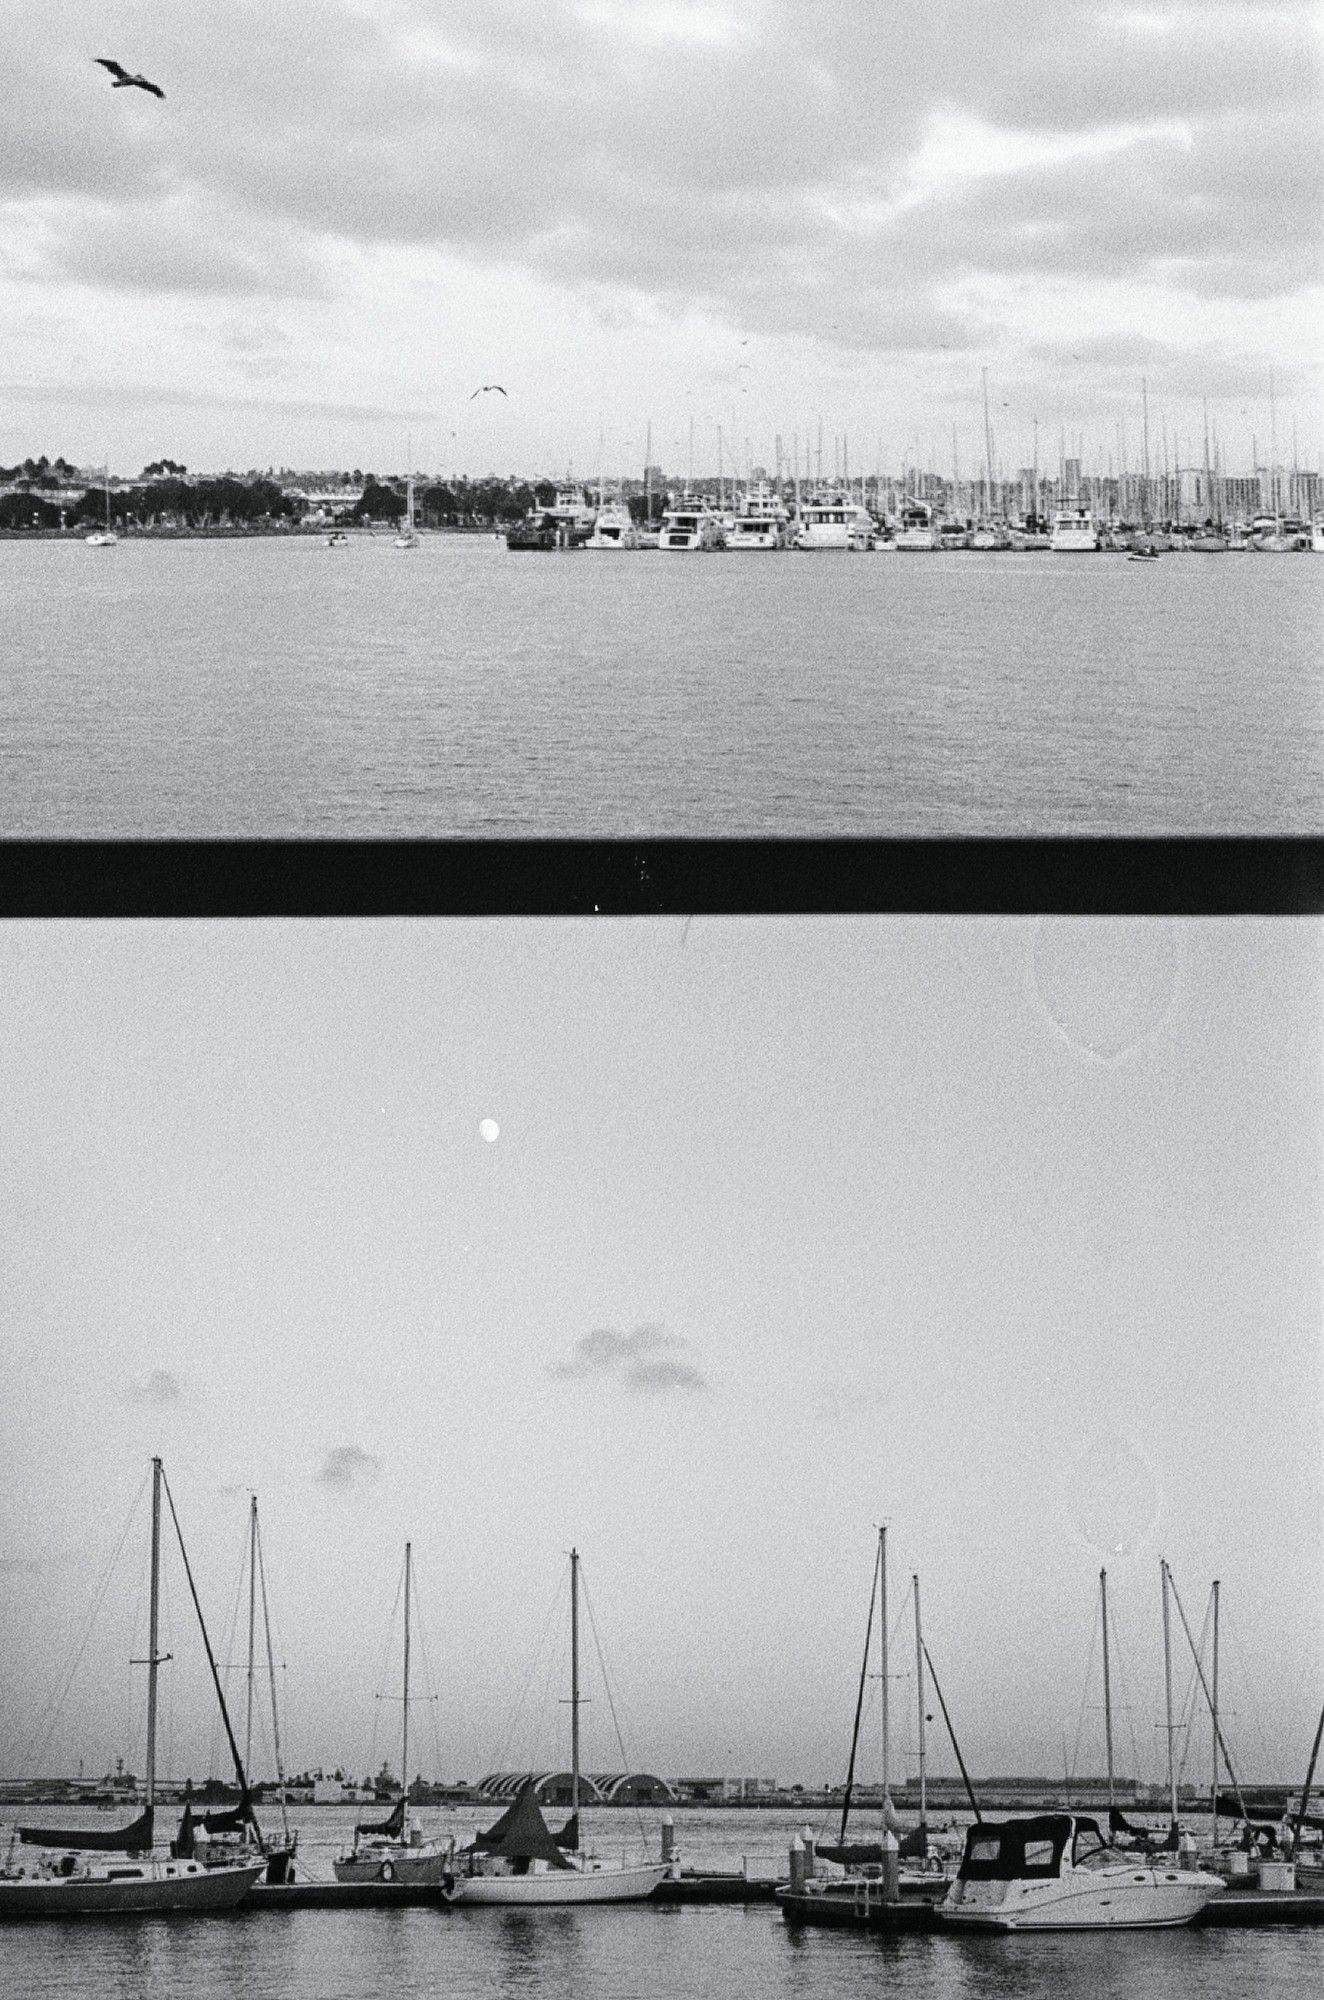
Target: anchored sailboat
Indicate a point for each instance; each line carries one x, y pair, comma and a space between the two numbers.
521, 1861
65, 1882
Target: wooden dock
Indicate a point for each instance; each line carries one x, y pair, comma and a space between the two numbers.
341, 1895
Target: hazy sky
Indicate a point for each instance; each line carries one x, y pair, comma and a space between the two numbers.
345, 216
1004, 1231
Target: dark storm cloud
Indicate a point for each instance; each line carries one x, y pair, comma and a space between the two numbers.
649, 1360
706, 155
348, 1465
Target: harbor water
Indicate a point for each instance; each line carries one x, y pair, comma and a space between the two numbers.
627, 1952
277, 687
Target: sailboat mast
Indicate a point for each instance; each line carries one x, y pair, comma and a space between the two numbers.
252, 1624
404, 1727
1167, 1685
1107, 1687
574, 1681
919, 1684
988, 454
153, 1632
882, 1636
1213, 1715
275, 1724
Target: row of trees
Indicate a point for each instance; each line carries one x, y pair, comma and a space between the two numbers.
170, 502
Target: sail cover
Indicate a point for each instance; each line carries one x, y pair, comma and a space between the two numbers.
134, 1839
858, 1854
568, 1837
233, 1820
522, 1834
393, 1825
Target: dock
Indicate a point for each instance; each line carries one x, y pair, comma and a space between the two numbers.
720, 1886
341, 1895
1246, 1907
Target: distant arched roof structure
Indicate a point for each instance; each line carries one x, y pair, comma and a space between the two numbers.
633, 1788
549, 1787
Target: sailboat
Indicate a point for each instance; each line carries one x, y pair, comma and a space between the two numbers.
408, 537
103, 538
66, 1881
233, 1833
393, 1849
520, 1861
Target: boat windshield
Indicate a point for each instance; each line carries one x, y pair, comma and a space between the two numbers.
1091, 1849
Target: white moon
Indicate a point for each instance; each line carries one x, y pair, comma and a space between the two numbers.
490, 1130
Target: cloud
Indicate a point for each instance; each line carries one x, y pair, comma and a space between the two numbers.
160, 1388
348, 1465
647, 1361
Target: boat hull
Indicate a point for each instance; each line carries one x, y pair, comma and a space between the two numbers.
146, 1889
557, 1885
417, 1869
1139, 1901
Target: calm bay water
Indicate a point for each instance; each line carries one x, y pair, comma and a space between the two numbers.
628, 1953
277, 687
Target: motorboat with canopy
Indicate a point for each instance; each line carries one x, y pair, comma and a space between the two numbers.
1056, 1871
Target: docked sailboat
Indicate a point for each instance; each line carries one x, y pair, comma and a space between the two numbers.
393, 1849
115, 1871
519, 1861
408, 535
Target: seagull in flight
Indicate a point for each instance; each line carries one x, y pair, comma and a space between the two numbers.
123, 81
487, 389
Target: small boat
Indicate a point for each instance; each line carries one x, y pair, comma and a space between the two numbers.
761, 521
393, 1849
691, 523
830, 519
408, 535
1055, 1871
520, 1862
916, 528
1075, 532
103, 538
1146, 554
990, 535
68, 1881
339, 540
1317, 538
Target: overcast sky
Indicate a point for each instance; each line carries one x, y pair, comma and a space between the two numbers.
346, 216
1005, 1232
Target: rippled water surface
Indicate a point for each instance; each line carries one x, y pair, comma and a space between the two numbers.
278, 687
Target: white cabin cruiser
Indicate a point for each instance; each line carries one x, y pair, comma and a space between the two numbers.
1057, 1872
761, 521
691, 523
832, 520
916, 529
1075, 532
614, 528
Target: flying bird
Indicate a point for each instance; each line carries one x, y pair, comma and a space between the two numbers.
123, 81
487, 389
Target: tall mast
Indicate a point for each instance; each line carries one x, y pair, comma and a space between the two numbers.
1036, 474
1144, 489
1167, 1685
988, 454
1107, 1687
1274, 502
275, 1723
153, 1632
252, 1623
404, 1727
882, 1636
919, 1684
1213, 1713
574, 1681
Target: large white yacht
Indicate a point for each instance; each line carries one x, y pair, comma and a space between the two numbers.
614, 528
1057, 1872
916, 529
830, 519
1075, 532
691, 522
761, 521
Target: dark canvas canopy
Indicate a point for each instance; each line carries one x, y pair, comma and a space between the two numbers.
859, 1853
522, 1834
134, 1839
233, 1820
568, 1837
393, 1825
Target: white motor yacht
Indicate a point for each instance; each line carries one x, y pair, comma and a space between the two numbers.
1057, 1872
1075, 532
691, 523
614, 528
830, 519
916, 529
761, 521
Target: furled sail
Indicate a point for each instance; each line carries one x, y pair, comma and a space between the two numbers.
522, 1834
134, 1839
392, 1826
568, 1837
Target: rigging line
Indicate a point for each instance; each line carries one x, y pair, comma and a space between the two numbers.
626, 1759
378, 1696
969, 1788
231, 1638
211, 1662
1188, 1706
1095, 1628
56, 1701
429, 1679
529, 1672
271, 1673
859, 1699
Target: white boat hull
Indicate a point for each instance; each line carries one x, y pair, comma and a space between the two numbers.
559, 1885
1124, 1899
129, 1889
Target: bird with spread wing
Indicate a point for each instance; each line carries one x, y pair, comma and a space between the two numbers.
487, 389
122, 79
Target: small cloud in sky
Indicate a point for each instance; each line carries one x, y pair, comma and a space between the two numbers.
648, 1360
348, 1465
159, 1388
